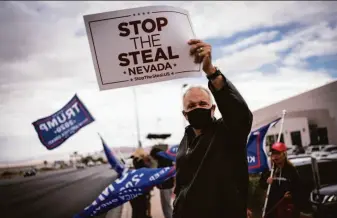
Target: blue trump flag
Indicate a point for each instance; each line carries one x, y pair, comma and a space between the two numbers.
256, 154
58, 127
126, 188
170, 153
114, 162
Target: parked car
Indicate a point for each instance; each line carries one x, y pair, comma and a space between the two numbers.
299, 158
332, 155
299, 150
80, 166
324, 201
290, 150
303, 166
328, 149
328, 174
30, 172
98, 163
313, 148
90, 164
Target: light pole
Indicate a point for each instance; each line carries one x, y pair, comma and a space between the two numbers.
158, 124
137, 119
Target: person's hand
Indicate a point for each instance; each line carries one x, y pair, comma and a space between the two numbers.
202, 53
287, 195
270, 180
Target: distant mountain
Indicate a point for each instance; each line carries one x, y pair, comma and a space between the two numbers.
125, 150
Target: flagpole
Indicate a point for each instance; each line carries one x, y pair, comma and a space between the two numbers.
120, 154
137, 119
272, 165
281, 128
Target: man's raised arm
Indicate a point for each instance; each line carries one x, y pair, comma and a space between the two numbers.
235, 113
233, 108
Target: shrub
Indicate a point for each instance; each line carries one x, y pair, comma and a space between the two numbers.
46, 169
9, 174
255, 196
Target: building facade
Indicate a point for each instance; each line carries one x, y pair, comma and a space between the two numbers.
311, 118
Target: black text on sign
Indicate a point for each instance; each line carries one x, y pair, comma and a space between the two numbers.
149, 54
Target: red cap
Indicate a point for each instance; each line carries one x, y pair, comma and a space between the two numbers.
279, 146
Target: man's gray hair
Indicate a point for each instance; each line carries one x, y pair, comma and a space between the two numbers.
201, 88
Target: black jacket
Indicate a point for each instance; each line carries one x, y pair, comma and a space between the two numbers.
285, 180
138, 163
163, 162
220, 188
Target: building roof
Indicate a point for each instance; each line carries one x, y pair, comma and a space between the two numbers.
327, 85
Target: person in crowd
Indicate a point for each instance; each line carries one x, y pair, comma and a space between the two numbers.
165, 188
141, 206
285, 191
211, 164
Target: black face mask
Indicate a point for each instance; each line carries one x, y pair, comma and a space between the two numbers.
200, 118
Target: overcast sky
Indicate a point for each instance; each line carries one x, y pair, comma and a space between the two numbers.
269, 50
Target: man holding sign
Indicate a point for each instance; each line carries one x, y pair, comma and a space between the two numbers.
210, 144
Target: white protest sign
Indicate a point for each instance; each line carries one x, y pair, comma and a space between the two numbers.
141, 46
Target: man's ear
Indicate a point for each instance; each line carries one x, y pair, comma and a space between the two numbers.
213, 110
185, 115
